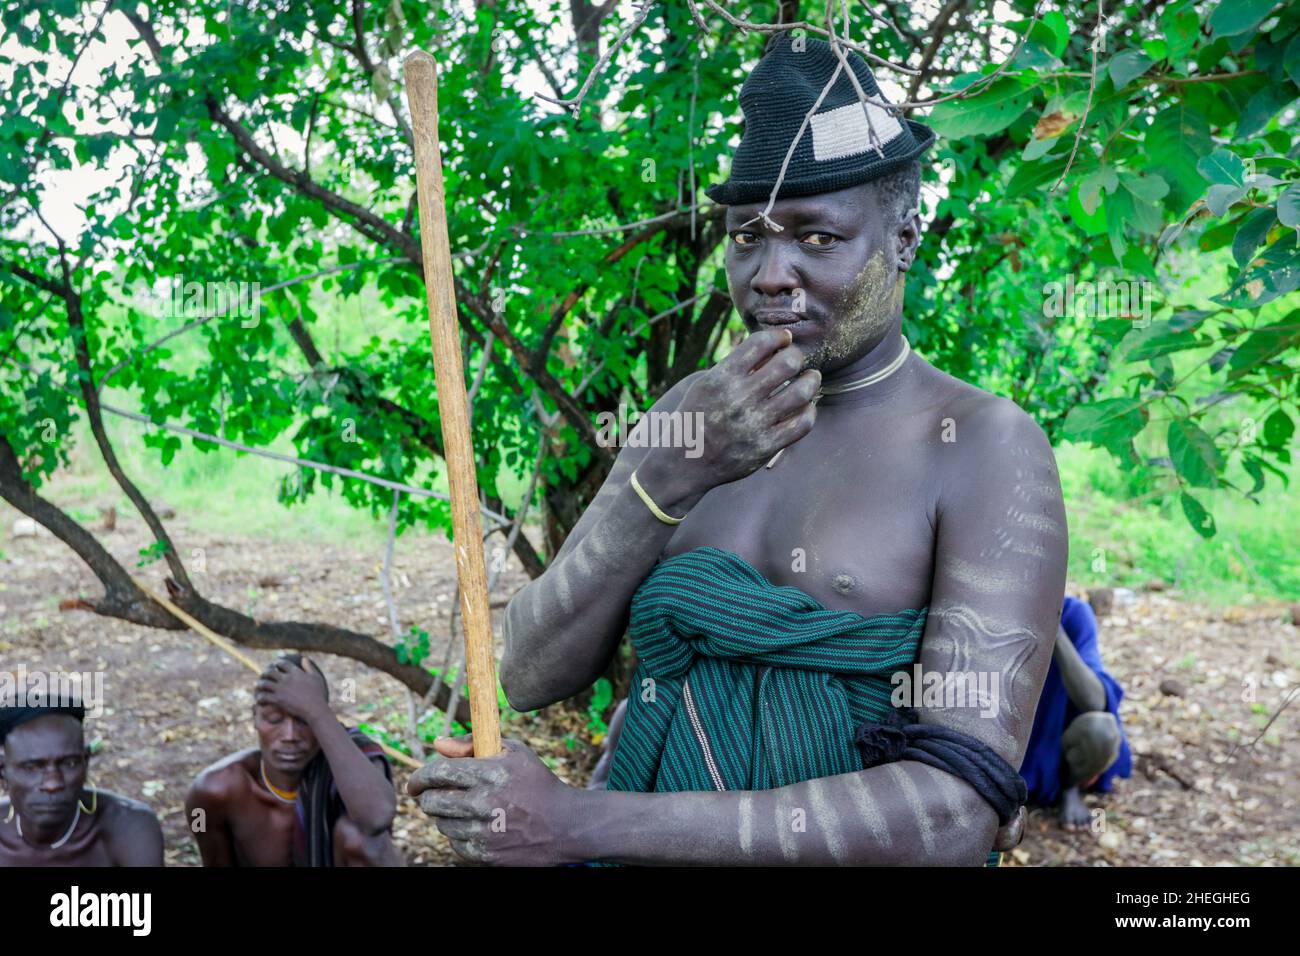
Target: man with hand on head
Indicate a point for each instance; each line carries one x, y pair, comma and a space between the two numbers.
853, 511
50, 816
312, 793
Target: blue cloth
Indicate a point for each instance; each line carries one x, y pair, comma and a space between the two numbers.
1042, 766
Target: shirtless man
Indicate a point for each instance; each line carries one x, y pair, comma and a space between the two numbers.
50, 818
312, 793
918, 490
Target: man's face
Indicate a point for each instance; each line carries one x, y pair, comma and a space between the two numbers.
287, 743
45, 763
832, 274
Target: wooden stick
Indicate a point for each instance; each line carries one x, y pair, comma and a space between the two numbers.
453, 406
202, 629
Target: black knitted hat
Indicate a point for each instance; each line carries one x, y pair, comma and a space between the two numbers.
11, 718
836, 150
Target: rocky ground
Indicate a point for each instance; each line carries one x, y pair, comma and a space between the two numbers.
1211, 785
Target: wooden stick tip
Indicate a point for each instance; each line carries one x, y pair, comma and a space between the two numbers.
420, 58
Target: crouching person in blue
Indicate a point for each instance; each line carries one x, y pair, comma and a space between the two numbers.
1078, 742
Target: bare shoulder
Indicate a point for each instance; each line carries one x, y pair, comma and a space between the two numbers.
224, 779
131, 831
123, 813
982, 429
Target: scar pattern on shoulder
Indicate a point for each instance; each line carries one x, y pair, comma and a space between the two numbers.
976, 643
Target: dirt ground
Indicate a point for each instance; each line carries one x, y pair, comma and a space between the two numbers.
174, 703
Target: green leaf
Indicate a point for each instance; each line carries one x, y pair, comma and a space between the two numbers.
989, 111
1176, 140
1038, 148
1202, 521
1278, 429
1263, 106
1251, 233
1126, 66
1181, 26
1264, 343
1221, 196
1055, 21
1090, 187
1045, 172
1194, 454
1274, 273
1251, 466
1232, 17
1159, 338
1111, 423
1223, 166
1119, 211
1150, 189
1093, 224
1288, 207
1291, 59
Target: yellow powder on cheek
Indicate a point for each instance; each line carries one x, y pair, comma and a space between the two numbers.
866, 310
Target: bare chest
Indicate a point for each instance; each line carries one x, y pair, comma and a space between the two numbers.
86, 847
848, 519
263, 833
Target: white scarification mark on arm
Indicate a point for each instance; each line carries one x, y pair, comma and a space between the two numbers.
1033, 550
564, 586
860, 793
827, 817
581, 559
1036, 522
914, 802
982, 578
962, 626
745, 830
785, 828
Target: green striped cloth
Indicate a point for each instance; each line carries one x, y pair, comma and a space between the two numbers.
745, 685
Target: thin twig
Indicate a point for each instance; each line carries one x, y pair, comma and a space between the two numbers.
751, 27
575, 104
1092, 85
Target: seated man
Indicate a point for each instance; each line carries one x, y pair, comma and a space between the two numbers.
313, 793
1078, 720
49, 817
774, 579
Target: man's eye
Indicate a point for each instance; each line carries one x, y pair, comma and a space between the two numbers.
744, 238
819, 238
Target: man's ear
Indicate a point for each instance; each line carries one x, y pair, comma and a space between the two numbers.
909, 238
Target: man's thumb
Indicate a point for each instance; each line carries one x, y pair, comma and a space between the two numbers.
455, 746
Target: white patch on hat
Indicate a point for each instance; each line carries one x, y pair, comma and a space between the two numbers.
843, 131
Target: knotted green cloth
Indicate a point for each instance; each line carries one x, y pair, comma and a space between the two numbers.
746, 685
